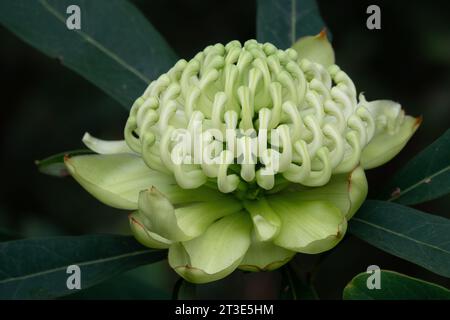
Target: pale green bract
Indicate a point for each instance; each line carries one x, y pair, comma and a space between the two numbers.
218, 215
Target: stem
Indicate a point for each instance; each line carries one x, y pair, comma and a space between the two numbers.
300, 289
176, 289
288, 271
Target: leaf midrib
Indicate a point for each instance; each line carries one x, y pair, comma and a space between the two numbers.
85, 263
96, 44
293, 22
401, 235
419, 183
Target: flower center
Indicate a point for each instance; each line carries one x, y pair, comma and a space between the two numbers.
249, 118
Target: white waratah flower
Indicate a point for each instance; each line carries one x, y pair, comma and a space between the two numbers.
286, 179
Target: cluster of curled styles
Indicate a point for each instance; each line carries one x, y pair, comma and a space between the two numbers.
313, 110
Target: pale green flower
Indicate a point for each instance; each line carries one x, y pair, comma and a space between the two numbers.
218, 215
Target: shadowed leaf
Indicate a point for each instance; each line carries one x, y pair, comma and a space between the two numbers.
116, 48
283, 22
37, 268
410, 234
393, 286
425, 177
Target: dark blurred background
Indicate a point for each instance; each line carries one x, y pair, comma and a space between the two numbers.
46, 108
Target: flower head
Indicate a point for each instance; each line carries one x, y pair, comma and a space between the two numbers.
243, 156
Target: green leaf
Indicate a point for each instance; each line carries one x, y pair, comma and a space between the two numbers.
394, 286
418, 237
425, 177
116, 48
54, 165
283, 22
143, 283
37, 268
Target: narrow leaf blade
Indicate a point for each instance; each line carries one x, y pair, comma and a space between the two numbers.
37, 268
410, 234
394, 286
116, 48
425, 177
135, 284
283, 22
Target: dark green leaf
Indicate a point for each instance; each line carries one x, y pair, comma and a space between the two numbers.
425, 177
393, 286
37, 268
116, 48
283, 22
54, 165
140, 283
418, 237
